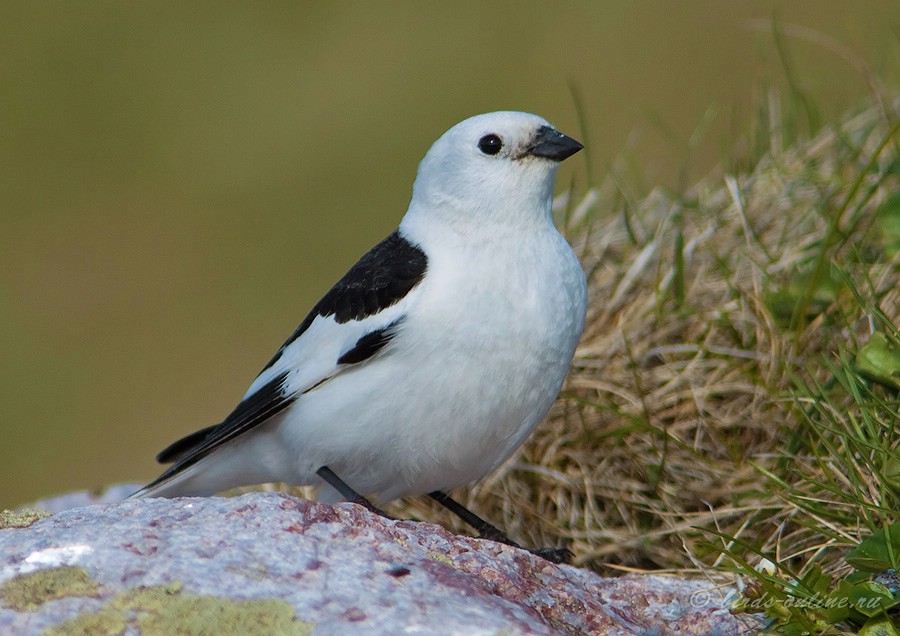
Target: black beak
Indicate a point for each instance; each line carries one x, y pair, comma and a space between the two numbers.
552, 144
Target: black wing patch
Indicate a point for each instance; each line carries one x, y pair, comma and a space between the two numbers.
254, 410
174, 451
383, 276
369, 344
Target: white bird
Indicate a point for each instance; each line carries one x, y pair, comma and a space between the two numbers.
435, 356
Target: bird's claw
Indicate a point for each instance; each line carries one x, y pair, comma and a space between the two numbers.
560, 556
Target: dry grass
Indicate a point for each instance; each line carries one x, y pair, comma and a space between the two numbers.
706, 320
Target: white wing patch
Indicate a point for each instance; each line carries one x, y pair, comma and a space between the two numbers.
313, 357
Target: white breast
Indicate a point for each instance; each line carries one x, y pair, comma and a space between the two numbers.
496, 329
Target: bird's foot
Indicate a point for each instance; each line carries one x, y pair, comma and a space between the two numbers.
493, 533
348, 493
368, 505
560, 556
554, 555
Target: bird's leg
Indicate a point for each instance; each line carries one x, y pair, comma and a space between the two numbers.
347, 492
491, 532
485, 529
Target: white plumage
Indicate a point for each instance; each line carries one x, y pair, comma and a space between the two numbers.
437, 355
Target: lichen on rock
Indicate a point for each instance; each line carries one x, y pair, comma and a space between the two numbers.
20, 518
28, 592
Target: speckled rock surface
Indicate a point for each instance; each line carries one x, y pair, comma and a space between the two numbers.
297, 567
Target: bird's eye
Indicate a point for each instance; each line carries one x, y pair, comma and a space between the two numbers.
490, 144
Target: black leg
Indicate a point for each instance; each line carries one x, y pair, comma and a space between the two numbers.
484, 529
489, 531
347, 492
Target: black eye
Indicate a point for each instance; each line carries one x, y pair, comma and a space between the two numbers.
490, 144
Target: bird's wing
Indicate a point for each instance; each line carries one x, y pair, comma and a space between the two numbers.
352, 322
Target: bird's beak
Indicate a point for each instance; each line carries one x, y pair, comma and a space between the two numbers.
552, 144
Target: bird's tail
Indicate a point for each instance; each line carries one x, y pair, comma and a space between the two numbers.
228, 466
192, 481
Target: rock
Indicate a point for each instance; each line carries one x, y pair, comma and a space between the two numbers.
271, 563
79, 498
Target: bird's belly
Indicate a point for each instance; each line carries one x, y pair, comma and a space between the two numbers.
451, 421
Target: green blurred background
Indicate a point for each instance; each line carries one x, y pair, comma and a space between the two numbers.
179, 182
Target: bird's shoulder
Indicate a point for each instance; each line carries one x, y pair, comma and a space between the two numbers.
380, 279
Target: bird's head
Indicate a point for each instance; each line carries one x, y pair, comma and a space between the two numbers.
497, 167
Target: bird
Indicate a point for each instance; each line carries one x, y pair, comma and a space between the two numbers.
434, 357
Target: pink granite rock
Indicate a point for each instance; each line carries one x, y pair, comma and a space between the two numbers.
316, 568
